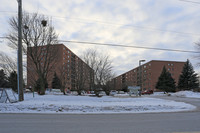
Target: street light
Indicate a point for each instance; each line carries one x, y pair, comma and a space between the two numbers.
140, 81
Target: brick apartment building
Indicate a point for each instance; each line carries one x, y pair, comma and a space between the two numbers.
148, 73
68, 66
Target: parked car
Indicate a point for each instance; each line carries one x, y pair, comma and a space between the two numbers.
148, 92
121, 92
112, 92
74, 92
102, 93
83, 93
92, 92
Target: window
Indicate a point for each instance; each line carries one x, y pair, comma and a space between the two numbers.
145, 66
168, 64
172, 64
149, 64
169, 69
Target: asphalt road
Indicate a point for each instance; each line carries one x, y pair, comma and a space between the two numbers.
187, 122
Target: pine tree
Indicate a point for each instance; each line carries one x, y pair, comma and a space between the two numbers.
12, 79
56, 83
166, 82
188, 79
3, 79
37, 85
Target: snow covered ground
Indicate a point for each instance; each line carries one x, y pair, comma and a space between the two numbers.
180, 94
58, 103
187, 94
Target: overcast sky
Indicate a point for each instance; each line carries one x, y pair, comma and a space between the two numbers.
170, 24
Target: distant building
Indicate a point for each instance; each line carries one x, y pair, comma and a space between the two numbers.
68, 66
148, 74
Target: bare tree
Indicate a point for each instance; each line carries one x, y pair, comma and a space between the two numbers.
74, 75
7, 63
82, 76
102, 66
104, 70
64, 77
38, 37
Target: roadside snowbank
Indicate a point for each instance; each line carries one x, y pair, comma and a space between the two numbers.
187, 94
85, 104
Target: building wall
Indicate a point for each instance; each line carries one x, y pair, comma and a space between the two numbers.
150, 73
68, 67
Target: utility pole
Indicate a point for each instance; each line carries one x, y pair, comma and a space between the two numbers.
19, 52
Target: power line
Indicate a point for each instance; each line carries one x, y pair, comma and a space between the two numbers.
128, 46
194, 2
130, 26
65, 41
124, 26
8, 11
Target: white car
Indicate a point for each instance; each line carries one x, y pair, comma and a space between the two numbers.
121, 92
102, 93
112, 92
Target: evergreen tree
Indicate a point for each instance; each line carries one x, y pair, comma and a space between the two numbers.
56, 83
13, 81
38, 85
188, 79
3, 79
166, 82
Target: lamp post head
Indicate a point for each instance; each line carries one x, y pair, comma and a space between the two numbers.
142, 60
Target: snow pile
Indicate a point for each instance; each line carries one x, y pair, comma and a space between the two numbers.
187, 94
86, 104
122, 95
158, 94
